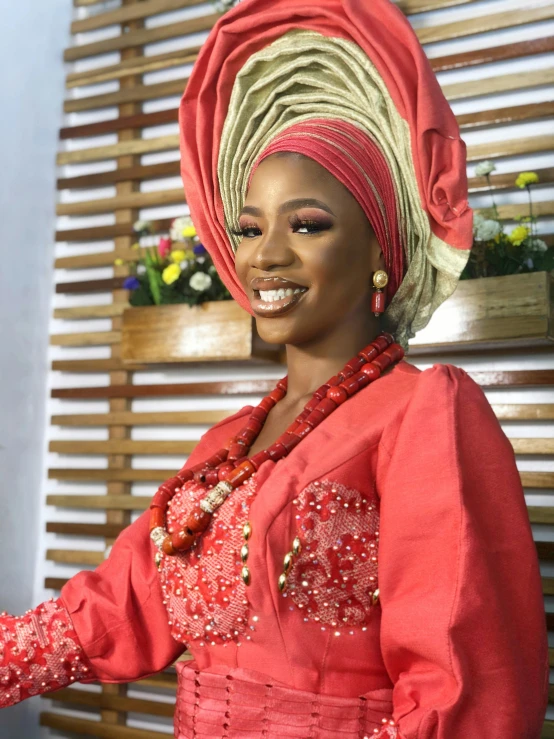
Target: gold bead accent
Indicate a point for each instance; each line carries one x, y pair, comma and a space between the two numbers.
287, 562
247, 530
375, 597
296, 546
380, 278
244, 552
245, 574
282, 582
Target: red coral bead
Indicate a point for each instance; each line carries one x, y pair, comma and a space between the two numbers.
157, 518
371, 371
225, 470
380, 343
382, 361
337, 394
369, 354
212, 477
198, 520
181, 541
167, 546
241, 473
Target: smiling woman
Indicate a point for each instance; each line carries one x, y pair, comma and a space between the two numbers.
351, 557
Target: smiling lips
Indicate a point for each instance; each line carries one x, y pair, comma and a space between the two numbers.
275, 295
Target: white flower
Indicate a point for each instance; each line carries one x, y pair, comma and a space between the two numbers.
139, 226
177, 227
141, 269
212, 270
184, 264
538, 245
487, 230
200, 260
529, 263
485, 168
477, 220
200, 281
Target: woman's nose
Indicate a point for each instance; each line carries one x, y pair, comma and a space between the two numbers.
272, 250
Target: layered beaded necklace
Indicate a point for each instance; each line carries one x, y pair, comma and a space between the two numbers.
231, 467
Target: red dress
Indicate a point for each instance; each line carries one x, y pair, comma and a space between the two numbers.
415, 599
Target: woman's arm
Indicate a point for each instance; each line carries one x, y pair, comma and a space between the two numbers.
109, 624
463, 627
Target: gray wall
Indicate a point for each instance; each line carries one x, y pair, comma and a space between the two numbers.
31, 94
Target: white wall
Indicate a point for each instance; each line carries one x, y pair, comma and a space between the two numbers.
34, 33
32, 90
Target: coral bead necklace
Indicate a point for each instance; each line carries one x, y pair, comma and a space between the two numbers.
231, 467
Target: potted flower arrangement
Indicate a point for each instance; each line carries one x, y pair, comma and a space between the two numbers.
180, 309
514, 305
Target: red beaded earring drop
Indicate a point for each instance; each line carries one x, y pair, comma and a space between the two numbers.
380, 280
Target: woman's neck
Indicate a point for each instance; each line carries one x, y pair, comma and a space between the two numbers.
312, 364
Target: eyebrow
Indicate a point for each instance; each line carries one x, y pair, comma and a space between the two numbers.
289, 205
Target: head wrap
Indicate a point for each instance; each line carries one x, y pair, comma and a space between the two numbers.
334, 65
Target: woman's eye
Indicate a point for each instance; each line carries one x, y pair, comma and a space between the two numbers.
246, 232
307, 227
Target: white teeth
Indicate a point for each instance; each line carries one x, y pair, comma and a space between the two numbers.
269, 296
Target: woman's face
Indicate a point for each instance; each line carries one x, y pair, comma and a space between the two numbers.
304, 233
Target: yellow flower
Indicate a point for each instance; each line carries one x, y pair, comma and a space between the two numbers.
527, 178
136, 246
518, 235
189, 232
118, 262
177, 256
189, 254
171, 273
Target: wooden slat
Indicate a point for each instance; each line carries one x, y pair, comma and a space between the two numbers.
525, 378
75, 557
129, 418
511, 147
124, 446
100, 502
122, 148
511, 212
99, 729
128, 13
106, 530
138, 94
492, 54
126, 474
543, 480
93, 365
162, 680
100, 259
548, 585
504, 116
128, 174
524, 412
89, 338
114, 702
498, 84
129, 68
141, 37
545, 551
90, 311
484, 24
410, 7
548, 730
101, 233
90, 286
134, 200
533, 446
541, 515
55, 583
507, 181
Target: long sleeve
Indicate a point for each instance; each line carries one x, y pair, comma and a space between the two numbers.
109, 624
463, 631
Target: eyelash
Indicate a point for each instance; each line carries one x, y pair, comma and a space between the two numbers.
294, 221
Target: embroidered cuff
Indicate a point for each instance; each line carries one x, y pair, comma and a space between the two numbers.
39, 652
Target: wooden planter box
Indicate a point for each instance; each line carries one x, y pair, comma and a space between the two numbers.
213, 331
492, 313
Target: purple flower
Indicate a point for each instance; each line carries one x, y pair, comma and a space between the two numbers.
131, 283
199, 249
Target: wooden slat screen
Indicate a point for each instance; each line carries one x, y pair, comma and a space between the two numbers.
117, 431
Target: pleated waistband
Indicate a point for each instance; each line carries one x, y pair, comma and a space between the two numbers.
238, 706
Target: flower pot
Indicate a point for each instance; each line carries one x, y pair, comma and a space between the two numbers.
492, 313
213, 331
